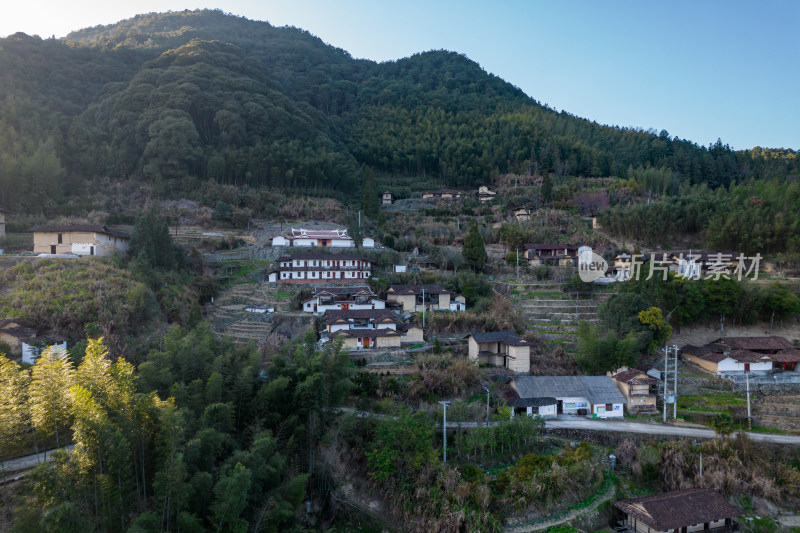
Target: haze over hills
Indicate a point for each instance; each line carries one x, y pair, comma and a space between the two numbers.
204, 95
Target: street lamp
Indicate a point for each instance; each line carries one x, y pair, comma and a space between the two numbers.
487, 405
444, 403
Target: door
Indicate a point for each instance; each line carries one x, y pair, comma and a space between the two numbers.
91, 250
560, 408
747, 367
345, 307
365, 342
53, 249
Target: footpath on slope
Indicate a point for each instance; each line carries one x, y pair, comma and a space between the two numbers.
548, 522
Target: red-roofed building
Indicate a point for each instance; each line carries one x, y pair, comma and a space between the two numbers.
639, 389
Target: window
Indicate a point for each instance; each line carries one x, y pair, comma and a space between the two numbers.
609, 407
60, 238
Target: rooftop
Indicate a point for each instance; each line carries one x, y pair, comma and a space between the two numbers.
356, 314
679, 508
503, 337
417, 289
597, 389
312, 255
756, 343
86, 228
633, 376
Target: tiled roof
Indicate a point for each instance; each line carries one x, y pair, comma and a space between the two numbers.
312, 255
746, 356
365, 332
679, 508
503, 337
417, 289
356, 314
756, 343
355, 289
597, 389
550, 247
791, 355
88, 228
633, 376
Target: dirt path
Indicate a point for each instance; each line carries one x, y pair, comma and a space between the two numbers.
572, 515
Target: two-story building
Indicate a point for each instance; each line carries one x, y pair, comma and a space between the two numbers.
415, 298
321, 268
387, 198
79, 239
551, 254
336, 238
484, 194
639, 389
359, 319
501, 348
342, 298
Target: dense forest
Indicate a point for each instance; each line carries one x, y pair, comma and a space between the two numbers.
179, 98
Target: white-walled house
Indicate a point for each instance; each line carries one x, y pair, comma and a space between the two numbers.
578, 395
338, 320
342, 298
337, 238
33, 348
415, 298
321, 268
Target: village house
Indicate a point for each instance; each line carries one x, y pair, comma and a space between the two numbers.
554, 254
639, 389
342, 298
387, 198
381, 337
484, 194
501, 348
321, 268
735, 355
522, 214
577, 395
359, 319
79, 240
3, 213
441, 195
336, 238
26, 344
415, 298
678, 511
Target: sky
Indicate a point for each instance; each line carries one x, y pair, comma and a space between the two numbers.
702, 70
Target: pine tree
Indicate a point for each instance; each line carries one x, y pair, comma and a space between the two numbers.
547, 189
474, 251
369, 195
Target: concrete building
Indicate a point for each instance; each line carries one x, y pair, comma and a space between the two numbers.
3, 213
441, 195
501, 348
359, 319
79, 240
387, 198
577, 395
321, 268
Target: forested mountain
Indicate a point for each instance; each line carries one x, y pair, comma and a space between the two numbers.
197, 95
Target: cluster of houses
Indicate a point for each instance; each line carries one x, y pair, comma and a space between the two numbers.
736, 355
483, 194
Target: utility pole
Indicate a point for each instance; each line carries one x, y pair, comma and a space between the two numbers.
517, 265
487, 405
747, 384
675, 389
423, 307
444, 403
666, 355
359, 219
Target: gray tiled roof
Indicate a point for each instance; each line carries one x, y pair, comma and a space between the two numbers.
597, 389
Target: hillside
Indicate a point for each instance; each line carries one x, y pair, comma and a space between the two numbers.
178, 98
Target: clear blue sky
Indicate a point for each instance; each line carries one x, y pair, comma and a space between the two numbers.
702, 70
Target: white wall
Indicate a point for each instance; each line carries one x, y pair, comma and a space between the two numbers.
731, 365
29, 353
547, 410
577, 403
368, 242
280, 241
600, 409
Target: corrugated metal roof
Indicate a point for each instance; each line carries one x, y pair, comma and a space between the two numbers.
597, 389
